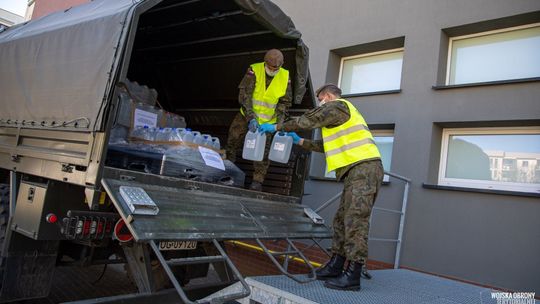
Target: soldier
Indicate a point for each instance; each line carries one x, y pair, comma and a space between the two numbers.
350, 151
265, 96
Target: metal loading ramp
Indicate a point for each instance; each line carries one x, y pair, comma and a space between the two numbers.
191, 214
187, 213
392, 286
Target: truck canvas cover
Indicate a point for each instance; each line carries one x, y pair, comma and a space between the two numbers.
60, 70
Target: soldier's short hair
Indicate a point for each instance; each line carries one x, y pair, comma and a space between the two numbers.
329, 88
274, 58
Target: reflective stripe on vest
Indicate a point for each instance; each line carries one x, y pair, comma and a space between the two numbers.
266, 99
350, 142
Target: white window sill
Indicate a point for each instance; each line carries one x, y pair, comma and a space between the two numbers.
371, 93
488, 83
477, 190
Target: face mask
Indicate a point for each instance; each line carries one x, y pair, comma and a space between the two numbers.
271, 73
323, 101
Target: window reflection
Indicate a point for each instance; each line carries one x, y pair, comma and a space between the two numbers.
503, 158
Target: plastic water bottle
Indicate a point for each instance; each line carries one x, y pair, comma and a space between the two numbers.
151, 133
215, 143
197, 138
137, 132
254, 146
176, 134
174, 120
188, 136
280, 150
144, 133
207, 140
163, 134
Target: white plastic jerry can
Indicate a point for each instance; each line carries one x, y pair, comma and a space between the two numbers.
281, 147
254, 146
215, 143
188, 136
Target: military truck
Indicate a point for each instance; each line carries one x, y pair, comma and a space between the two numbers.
61, 82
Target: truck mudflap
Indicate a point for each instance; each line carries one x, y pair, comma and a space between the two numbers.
194, 211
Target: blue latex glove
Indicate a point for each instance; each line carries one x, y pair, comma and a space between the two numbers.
268, 128
253, 125
296, 139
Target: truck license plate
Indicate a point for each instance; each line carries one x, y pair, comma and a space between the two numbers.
177, 245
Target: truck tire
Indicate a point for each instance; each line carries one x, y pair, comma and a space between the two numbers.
4, 216
4, 212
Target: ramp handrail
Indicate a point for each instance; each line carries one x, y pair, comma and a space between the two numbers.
402, 212
201, 260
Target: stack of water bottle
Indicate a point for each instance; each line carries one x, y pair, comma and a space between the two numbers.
174, 136
255, 142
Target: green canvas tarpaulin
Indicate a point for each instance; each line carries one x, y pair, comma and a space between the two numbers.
60, 70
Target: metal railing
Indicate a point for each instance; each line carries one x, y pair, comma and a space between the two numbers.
401, 212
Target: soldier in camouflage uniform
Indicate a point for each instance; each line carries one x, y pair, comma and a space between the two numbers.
247, 118
362, 179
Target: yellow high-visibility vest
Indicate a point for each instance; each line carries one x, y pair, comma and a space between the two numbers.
266, 99
350, 142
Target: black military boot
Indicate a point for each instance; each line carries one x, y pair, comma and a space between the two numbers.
348, 280
332, 269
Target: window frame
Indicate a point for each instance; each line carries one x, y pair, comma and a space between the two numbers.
383, 52
480, 184
475, 35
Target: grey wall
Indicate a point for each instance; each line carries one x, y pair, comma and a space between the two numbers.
491, 239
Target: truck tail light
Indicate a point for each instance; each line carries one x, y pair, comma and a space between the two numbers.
88, 225
51, 218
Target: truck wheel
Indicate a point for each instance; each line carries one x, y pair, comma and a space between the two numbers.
4, 216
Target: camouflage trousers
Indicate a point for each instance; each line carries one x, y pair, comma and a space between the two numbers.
235, 141
351, 222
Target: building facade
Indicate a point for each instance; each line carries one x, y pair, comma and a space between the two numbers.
451, 90
8, 19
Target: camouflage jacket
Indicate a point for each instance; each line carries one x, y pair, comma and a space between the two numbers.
330, 115
247, 86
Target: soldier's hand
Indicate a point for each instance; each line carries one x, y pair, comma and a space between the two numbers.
253, 125
296, 139
267, 128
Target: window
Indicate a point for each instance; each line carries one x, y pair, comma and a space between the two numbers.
385, 142
491, 158
506, 54
373, 72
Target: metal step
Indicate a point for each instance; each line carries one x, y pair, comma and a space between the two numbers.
264, 293
221, 298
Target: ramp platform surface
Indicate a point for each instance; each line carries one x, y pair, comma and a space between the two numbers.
387, 286
187, 212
